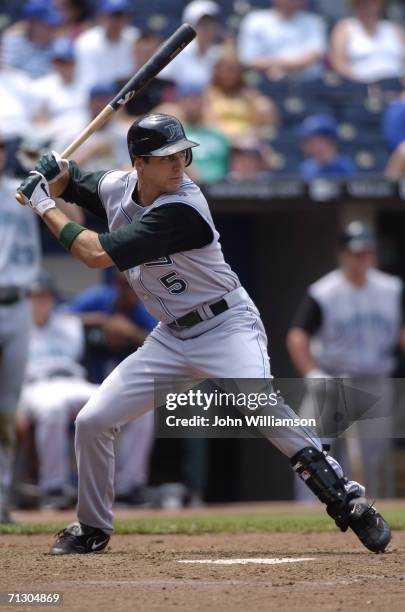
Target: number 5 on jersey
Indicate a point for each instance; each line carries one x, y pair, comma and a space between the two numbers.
173, 283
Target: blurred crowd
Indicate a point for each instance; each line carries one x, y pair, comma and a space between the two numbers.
306, 87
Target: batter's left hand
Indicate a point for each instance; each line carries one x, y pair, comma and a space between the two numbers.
35, 192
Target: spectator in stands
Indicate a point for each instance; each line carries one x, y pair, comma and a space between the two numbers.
231, 106
76, 14
116, 323
27, 44
366, 47
61, 97
159, 89
394, 122
394, 136
99, 150
105, 51
249, 161
210, 161
284, 41
16, 103
195, 64
318, 135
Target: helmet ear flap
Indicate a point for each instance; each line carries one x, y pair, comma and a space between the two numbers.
130, 149
189, 157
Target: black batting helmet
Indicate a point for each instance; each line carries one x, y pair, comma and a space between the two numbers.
158, 135
358, 236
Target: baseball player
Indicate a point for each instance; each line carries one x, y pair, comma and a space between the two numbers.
19, 264
349, 325
161, 233
55, 390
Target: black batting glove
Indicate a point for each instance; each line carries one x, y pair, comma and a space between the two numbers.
52, 166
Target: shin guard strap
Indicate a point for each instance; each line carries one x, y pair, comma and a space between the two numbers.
313, 468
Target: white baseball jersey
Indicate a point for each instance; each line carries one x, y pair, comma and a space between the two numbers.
19, 239
56, 347
360, 326
171, 286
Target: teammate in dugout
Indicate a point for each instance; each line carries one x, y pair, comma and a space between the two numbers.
162, 235
20, 255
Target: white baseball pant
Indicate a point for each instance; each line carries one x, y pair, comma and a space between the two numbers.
230, 345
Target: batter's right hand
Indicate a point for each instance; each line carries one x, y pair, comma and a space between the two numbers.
35, 192
52, 166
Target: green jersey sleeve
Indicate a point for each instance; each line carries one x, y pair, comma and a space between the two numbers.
166, 230
83, 190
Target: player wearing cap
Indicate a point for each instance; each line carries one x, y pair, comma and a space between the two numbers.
105, 52
161, 233
19, 264
54, 389
349, 325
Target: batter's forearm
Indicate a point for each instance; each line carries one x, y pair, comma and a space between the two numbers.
86, 246
298, 344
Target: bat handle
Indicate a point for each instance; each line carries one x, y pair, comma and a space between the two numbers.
95, 125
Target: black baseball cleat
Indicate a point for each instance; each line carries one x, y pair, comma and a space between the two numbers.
369, 526
79, 539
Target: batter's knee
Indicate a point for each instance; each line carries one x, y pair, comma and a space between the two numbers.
89, 422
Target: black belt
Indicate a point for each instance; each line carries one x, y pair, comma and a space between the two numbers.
194, 317
10, 295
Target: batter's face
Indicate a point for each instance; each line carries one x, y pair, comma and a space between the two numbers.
162, 174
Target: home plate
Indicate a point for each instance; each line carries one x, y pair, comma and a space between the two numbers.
263, 561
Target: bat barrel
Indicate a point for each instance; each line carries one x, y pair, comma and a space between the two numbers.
163, 56
160, 59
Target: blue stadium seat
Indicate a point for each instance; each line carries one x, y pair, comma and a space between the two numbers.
390, 86
287, 152
369, 153
371, 161
367, 112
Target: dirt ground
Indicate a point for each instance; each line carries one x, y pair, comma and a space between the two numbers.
142, 572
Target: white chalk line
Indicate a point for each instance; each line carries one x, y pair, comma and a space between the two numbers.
256, 560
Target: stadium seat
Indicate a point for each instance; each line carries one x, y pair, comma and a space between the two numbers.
371, 160
368, 112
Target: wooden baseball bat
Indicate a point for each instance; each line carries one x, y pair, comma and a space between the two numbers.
159, 60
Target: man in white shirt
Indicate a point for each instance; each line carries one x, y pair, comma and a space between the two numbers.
106, 51
16, 104
195, 64
26, 45
60, 96
283, 41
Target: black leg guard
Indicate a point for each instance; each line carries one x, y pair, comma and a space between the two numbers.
347, 510
313, 468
